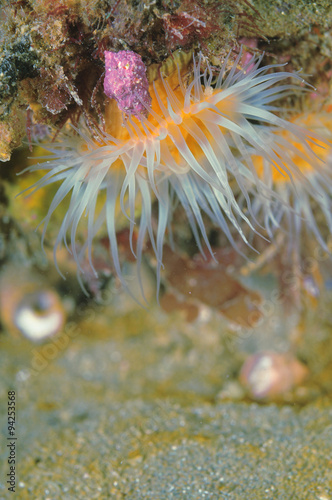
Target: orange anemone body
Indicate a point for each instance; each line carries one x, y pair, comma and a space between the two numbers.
175, 70
321, 124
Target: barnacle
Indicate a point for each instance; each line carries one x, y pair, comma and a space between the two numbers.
193, 143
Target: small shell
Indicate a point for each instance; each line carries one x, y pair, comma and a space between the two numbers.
29, 307
268, 374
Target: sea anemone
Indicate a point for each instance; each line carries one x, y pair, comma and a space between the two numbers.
297, 204
195, 142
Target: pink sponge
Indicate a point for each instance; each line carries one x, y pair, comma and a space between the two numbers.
125, 81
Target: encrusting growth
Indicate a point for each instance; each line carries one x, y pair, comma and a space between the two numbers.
126, 82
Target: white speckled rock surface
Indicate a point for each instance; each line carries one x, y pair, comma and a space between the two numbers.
135, 408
